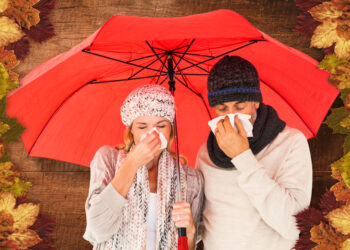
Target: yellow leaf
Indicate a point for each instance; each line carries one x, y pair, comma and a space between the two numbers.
8, 59
25, 215
7, 201
346, 245
324, 35
8, 172
23, 12
342, 48
6, 225
4, 128
341, 191
324, 12
340, 219
341, 77
9, 31
326, 237
25, 239
3, 5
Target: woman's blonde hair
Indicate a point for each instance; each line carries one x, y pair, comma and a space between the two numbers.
129, 139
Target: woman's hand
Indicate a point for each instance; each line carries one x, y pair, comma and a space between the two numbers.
145, 150
231, 142
182, 216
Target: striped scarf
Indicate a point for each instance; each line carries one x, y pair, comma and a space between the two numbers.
132, 232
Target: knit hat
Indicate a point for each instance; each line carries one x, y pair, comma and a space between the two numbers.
233, 78
148, 100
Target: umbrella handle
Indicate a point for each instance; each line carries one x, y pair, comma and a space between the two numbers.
182, 240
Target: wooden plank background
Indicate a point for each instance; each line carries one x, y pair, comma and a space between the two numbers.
61, 188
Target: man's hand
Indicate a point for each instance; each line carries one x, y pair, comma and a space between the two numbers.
231, 142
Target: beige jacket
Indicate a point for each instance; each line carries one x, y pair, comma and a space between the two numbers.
252, 207
104, 204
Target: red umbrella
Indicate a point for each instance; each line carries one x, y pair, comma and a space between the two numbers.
70, 104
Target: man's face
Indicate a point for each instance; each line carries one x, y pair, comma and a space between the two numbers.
248, 108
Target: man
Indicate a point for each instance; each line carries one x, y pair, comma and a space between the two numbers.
253, 186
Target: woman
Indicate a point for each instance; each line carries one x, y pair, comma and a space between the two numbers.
133, 189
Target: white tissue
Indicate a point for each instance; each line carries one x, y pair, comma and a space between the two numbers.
162, 138
243, 117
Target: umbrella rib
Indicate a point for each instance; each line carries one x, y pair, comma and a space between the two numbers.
250, 43
146, 66
193, 64
144, 57
193, 54
156, 54
127, 79
195, 92
188, 47
114, 59
290, 107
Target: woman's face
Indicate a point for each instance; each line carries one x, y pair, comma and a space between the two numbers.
143, 124
248, 108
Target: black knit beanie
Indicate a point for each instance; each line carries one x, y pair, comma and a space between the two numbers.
233, 78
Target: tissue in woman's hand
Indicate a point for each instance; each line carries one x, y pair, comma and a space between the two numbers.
243, 117
162, 138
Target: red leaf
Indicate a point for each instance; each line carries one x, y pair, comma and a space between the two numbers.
306, 25
21, 48
305, 5
308, 218
45, 7
43, 226
328, 202
304, 242
329, 50
42, 31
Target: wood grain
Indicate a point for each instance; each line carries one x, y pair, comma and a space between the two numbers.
61, 188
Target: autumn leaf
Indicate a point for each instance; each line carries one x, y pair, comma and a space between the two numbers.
325, 12
331, 62
334, 28
4, 5
346, 245
19, 188
6, 84
334, 119
343, 165
326, 237
305, 5
306, 25
23, 12
41, 32
324, 35
7, 202
340, 219
345, 123
6, 225
20, 48
8, 59
328, 202
8, 172
341, 191
9, 31
25, 239
24, 216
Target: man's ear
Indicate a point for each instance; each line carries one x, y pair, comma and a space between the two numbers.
257, 105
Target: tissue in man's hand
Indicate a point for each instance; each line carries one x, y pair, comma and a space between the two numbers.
162, 138
243, 117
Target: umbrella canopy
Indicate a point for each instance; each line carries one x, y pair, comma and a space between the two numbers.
70, 105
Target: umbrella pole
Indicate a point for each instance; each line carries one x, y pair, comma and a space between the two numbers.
182, 237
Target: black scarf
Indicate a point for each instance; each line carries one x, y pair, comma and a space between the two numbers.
266, 127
